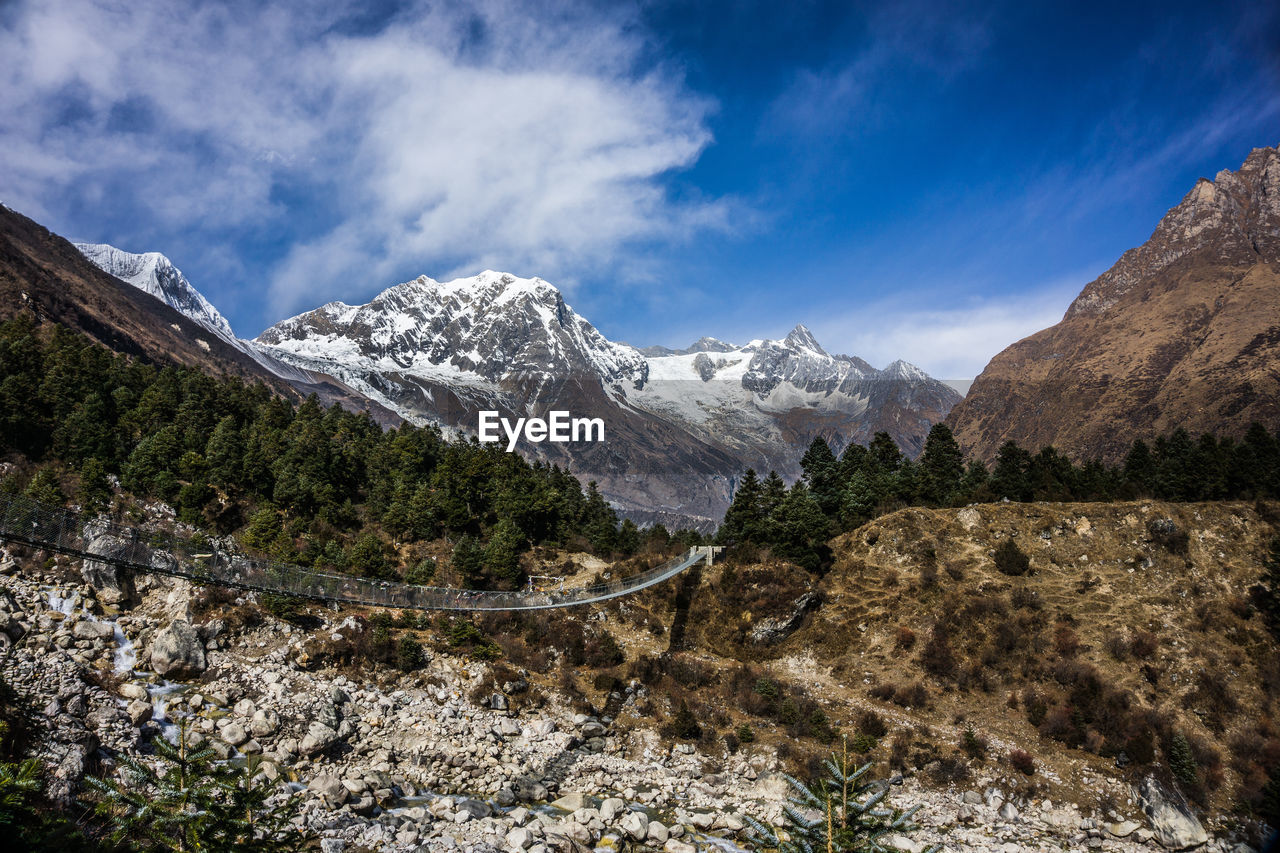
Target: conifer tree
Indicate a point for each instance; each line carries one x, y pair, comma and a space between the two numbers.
821, 473
502, 552
942, 465
841, 812
193, 803
743, 521
1009, 477
884, 453
468, 562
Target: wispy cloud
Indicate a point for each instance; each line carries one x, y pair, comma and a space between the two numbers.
457, 135
907, 36
950, 342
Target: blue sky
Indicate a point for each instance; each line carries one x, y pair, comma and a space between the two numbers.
923, 180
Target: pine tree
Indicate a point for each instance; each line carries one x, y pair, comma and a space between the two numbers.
773, 491
942, 465
502, 552
191, 802
468, 562
743, 521
1009, 478
800, 530
94, 494
1182, 763
821, 473
45, 488
843, 811
860, 500
884, 453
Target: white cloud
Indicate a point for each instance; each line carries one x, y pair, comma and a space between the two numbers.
951, 342
451, 139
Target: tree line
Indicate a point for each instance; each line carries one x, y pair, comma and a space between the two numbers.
839, 494
302, 483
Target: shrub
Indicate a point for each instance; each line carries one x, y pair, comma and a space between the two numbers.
684, 724
286, 608
1143, 644
871, 723
1117, 645
1166, 533
408, 654
820, 727
745, 734
905, 639
1065, 641
1024, 598
937, 657
862, 743
1010, 560
973, 744
767, 687
1022, 762
883, 692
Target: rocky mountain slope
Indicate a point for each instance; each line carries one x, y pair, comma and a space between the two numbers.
462, 754
680, 425
43, 275
1182, 331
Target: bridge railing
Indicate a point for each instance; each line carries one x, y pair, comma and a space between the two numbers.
29, 522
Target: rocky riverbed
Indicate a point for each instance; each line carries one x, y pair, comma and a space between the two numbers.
417, 764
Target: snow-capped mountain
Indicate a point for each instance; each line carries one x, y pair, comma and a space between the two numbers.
681, 424
492, 330
766, 399
155, 274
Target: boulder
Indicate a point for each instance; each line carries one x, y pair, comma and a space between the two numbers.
139, 711
114, 585
234, 734
178, 652
264, 723
777, 628
133, 690
476, 808
318, 738
657, 833
636, 825
330, 789
611, 808
1175, 827
87, 629
571, 802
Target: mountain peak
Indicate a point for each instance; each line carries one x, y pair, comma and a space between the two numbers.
1232, 220
801, 338
155, 274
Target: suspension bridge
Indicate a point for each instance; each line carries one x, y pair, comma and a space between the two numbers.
24, 521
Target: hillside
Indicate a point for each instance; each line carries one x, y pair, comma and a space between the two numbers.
1122, 636
1181, 332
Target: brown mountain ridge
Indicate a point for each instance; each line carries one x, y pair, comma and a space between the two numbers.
1183, 331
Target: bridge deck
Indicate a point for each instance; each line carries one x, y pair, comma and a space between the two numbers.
51, 528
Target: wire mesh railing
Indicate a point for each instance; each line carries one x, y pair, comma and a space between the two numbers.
51, 528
